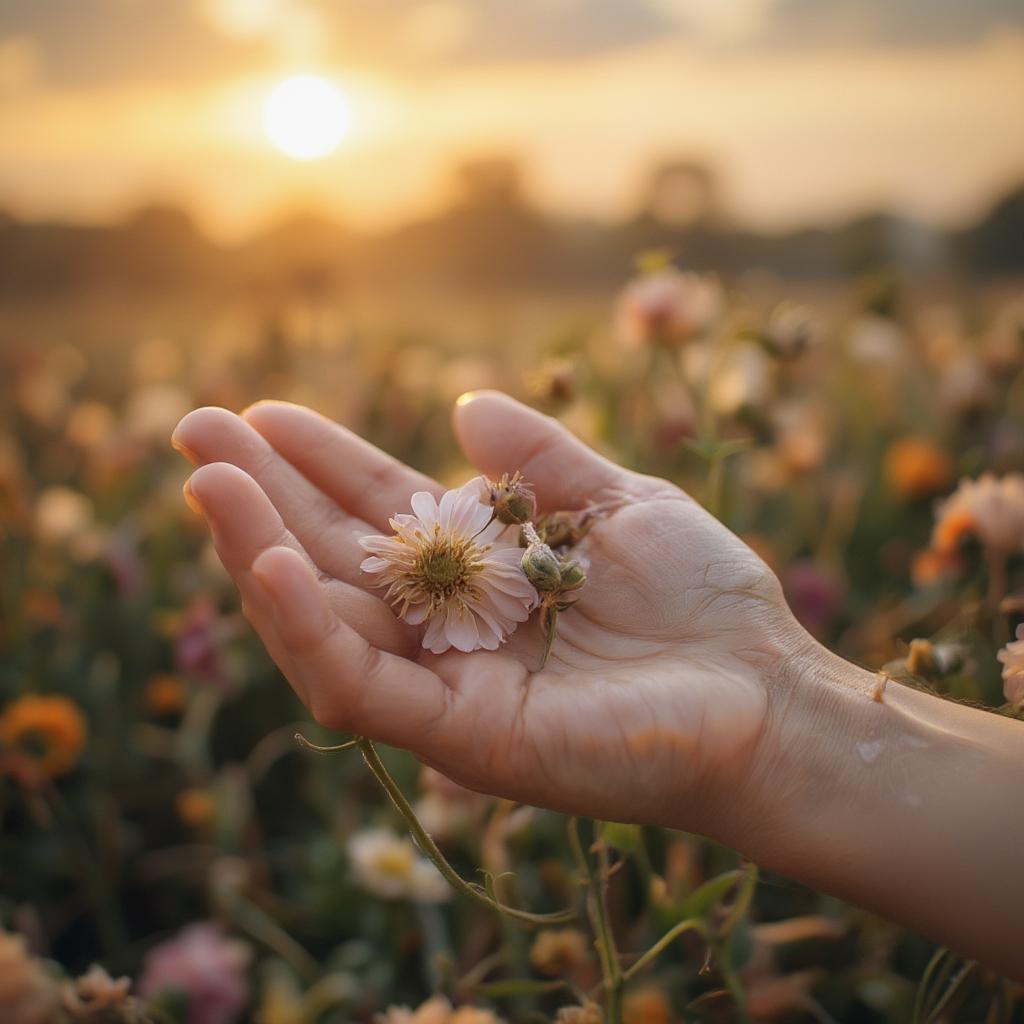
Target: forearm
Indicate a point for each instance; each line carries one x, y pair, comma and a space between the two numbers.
910, 807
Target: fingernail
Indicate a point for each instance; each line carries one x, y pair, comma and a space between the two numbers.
468, 396
183, 449
191, 500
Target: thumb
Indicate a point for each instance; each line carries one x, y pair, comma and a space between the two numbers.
500, 435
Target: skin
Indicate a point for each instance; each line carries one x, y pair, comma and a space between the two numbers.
680, 690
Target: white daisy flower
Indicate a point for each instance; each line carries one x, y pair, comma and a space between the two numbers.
388, 866
450, 566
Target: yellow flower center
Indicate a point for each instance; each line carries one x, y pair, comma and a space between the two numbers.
395, 863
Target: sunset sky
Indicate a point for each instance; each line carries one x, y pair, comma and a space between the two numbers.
809, 110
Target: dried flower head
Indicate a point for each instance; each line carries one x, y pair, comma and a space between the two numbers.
513, 501
560, 952
49, 730
98, 998
990, 508
928, 659
450, 566
1012, 657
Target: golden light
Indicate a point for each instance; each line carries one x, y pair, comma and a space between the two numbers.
306, 117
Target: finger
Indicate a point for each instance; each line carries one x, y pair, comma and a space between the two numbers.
326, 531
245, 523
351, 685
500, 435
362, 479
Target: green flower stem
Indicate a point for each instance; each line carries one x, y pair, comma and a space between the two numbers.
430, 849
597, 911
693, 924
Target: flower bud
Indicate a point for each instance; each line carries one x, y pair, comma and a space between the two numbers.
572, 576
514, 503
542, 568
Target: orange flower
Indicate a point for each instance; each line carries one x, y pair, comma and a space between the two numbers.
952, 528
51, 730
196, 807
916, 468
646, 1006
165, 694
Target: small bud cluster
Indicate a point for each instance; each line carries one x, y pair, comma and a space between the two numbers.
556, 580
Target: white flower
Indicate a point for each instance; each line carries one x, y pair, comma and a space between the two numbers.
389, 866
1012, 657
449, 566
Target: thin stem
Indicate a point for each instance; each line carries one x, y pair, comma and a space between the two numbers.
430, 848
611, 971
317, 749
693, 924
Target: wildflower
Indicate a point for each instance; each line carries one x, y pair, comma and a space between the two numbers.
743, 383
197, 642
554, 381
514, 503
791, 330
62, 515
1012, 657
436, 1010
555, 581
96, 996
449, 566
389, 866
560, 952
916, 468
668, 307
27, 995
205, 965
165, 694
49, 730
989, 508
646, 1006
588, 1013
196, 807
930, 566
927, 659
815, 594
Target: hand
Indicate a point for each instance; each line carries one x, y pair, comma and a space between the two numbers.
652, 706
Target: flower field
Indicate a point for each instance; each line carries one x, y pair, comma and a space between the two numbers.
159, 817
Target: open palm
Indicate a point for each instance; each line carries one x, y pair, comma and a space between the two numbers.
653, 704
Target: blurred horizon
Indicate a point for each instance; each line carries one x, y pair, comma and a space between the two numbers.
805, 113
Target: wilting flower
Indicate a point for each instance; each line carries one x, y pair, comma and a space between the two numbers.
389, 866
205, 965
989, 508
27, 995
449, 566
1012, 657
511, 498
916, 468
49, 730
668, 307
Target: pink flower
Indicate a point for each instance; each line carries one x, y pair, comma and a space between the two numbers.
1012, 657
668, 307
208, 967
450, 566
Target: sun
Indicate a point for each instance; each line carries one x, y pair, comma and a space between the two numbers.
306, 117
